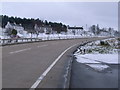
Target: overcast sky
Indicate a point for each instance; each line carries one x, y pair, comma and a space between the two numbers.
71, 13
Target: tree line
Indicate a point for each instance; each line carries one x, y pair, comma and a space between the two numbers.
29, 23
96, 30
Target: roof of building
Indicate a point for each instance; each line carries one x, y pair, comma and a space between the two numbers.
14, 24
75, 27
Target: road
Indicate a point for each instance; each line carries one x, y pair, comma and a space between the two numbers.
23, 64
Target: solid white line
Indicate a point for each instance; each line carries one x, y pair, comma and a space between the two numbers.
38, 81
20, 50
42, 46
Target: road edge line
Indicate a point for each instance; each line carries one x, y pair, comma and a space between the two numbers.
38, 81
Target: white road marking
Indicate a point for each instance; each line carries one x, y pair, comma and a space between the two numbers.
20, 50
25, 49
38, 81
55, 43
16, 45
42, 46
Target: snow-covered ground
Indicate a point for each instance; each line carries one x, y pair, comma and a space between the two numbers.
43, 36
98, 56
95, 58
1, 37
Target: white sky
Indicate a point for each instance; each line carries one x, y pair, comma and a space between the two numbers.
71, 13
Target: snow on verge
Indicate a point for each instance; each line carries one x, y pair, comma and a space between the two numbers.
105, 58
96, 65
97, 61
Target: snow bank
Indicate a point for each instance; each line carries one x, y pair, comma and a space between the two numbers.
91, 58
84, 59
96, 65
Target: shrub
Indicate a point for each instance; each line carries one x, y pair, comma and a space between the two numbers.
14, 32
104, 43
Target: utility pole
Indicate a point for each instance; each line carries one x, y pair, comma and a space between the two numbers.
86, 27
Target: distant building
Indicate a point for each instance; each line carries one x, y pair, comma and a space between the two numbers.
75, 30
15, 26
18, 27
43, 29
48, 30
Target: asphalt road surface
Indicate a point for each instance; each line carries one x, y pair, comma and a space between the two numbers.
83, 76
23, 64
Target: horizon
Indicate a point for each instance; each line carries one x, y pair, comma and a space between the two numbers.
92, 12
62, 22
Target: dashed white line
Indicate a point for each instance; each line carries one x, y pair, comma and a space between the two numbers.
25, 49
20, 50
42, 46
38, 81
55, 43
